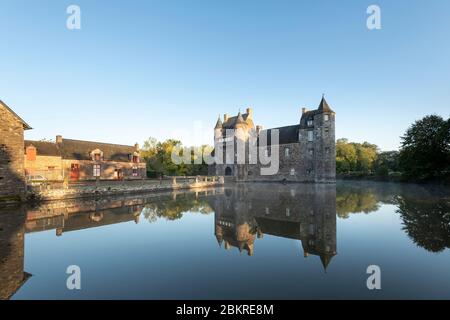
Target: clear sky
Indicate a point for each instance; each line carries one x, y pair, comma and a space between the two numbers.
154, 68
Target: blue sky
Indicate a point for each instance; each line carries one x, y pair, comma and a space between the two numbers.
152, 68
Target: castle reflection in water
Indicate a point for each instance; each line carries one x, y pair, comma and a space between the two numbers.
305, 212
243, 214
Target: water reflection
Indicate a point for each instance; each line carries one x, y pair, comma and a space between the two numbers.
303, 212
243, 214
12, 238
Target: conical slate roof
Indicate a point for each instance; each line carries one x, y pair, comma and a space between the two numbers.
218, 124
323, 106
240, 119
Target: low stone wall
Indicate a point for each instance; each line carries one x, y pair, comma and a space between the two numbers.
103, 188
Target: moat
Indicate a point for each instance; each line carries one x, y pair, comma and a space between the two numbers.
243, 241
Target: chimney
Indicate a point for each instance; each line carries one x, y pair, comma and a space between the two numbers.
136, 146
304, 110
258, 129
250, 112
59, 139
225, 117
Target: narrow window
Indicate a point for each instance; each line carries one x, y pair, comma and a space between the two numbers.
311, 229
326, 117
292, 171
135, 171
286, 152
311, 152
326, 132
97, 170
327, 150
310, 135
288, 212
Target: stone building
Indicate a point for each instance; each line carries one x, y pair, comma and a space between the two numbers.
83, 160
12, 184
306, 150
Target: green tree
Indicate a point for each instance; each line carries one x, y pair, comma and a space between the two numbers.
346, 156
425, 150
386, 163
158, 156
355, 157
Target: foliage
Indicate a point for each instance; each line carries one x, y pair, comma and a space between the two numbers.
425, 150
355, 157
173, 209
158, 156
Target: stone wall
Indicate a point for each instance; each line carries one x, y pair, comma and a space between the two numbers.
112, 188
12, 183
41, 166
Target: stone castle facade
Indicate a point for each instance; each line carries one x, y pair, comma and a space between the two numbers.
306, 150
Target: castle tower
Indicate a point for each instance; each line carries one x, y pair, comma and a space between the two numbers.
317, 144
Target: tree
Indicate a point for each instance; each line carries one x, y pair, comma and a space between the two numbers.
346, 157
352, 156
425, 150
158, 156
386, 163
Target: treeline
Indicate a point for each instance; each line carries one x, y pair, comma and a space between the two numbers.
424, 155
158, 156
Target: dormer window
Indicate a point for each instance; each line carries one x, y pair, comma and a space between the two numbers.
309, 123
135, 158
96, 155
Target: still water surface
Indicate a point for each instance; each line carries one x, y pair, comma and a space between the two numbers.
245, 241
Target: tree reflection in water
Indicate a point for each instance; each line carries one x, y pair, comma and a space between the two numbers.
426, 221
424, 210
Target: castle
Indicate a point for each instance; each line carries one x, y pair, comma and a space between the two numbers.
305, 152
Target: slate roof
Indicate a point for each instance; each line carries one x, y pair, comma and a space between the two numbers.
44, 148
288, 134
25, 125
80, 150
232, 121
323, 106
279, 228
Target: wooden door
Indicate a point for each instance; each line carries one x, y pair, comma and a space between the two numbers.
74, 171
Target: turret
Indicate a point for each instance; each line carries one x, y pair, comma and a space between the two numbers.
218, 129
